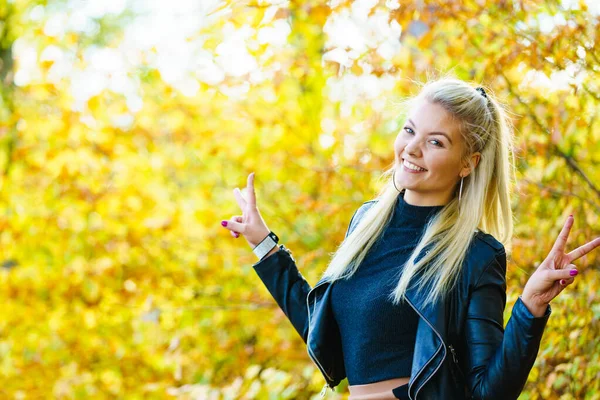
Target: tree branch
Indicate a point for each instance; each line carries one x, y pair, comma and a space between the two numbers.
7, 89
563, 193
570, 160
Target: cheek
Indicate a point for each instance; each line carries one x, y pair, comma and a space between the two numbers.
444, 166
398, 146
397, 142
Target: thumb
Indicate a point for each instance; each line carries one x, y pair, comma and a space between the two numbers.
566, 273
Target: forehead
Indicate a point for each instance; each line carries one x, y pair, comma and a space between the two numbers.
432, 117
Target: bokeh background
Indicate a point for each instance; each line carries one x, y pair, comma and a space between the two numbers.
126, 124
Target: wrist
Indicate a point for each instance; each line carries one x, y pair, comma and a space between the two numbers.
263, 236
536, 309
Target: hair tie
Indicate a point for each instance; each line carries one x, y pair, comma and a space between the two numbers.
480, 90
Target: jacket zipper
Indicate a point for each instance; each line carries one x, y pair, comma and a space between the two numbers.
453, 354
434, 354
455, 358
311, 355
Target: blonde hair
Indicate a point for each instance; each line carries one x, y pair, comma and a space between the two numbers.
484, 204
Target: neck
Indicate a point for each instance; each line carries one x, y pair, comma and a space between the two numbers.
413, 216
418, 199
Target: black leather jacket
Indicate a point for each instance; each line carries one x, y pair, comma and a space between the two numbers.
462, 350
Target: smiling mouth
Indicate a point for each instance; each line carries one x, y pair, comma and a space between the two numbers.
412, 167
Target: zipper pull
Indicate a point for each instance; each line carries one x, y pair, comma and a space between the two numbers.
453, 354
324, 390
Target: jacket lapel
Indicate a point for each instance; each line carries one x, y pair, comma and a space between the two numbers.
429, 350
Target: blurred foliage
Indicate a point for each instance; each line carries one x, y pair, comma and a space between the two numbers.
116, 277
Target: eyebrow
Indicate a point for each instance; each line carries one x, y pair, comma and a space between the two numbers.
433, 133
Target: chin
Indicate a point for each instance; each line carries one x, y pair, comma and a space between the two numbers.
407, 184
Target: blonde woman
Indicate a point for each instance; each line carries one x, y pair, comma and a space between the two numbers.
411, 304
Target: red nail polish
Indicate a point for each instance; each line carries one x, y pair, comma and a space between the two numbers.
237, 235
224, 223
562, 281
573, 272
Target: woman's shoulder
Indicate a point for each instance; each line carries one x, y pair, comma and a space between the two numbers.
358, 214
367, 205
363, 208
486, 239
484, 253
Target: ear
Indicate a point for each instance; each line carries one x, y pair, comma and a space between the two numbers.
474, 160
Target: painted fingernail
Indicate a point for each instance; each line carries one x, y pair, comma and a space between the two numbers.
224, 223
573, 272
237, 235
562, 281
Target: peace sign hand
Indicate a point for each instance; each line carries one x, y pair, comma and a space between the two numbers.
250, 223
555, 273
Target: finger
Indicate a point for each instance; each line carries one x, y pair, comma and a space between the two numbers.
582, 250
239, 198
566, 282
236, 218
561, 241
251, 193
233, 226
558, 274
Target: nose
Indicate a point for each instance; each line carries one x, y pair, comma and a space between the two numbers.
413, 147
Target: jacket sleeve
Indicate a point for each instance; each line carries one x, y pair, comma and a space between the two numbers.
499, 360
286, 284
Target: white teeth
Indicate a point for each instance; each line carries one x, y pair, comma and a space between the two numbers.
412, 166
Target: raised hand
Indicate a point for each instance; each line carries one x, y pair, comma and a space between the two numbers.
555, 273
250, 223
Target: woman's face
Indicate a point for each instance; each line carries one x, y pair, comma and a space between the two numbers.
428, 152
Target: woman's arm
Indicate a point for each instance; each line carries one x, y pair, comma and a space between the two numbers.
286, 284
288, 287
499, 360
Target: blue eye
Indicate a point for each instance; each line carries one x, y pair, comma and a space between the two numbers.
435, 142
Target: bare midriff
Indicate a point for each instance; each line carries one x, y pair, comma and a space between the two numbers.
378, 387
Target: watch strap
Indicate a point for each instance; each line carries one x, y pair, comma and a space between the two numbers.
266, 245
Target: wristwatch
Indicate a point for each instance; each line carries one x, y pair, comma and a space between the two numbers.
266, 245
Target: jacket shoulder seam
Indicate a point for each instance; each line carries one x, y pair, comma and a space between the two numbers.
489, 240
488, 266
497, 248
